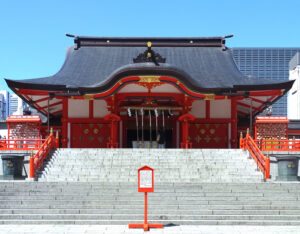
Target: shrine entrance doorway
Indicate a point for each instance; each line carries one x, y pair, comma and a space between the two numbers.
134, 136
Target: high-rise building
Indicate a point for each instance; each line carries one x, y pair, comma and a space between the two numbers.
268, 63
4, 104
2, 107
294, 94
13, 104
16, 105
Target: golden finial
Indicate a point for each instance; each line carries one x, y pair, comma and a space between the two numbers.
149, 44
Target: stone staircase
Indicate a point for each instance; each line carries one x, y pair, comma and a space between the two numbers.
170, 165
197, 187
171, 203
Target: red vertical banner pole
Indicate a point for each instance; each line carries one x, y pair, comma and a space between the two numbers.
145, 218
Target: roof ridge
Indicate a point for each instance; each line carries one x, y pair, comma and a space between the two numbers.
81, 41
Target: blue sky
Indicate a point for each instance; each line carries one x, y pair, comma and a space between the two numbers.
33, 41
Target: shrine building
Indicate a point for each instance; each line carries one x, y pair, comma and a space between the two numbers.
118, 92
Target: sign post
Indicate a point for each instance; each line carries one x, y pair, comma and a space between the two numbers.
145, 185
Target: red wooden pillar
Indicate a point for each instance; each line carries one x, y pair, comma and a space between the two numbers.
91, 109
233, 123
185, 130
207, 109
114, 119
64, 120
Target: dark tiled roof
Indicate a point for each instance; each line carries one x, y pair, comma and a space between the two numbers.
97, 68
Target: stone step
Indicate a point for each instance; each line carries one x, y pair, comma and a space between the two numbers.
160, 197
157, 211
141, 216
164, 222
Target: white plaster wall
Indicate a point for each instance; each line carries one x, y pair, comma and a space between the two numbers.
220, 109
78, 108
100, 109
294, 95
198, 109
133, 88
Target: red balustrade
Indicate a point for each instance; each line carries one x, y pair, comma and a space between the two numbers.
21, 144
262, 162
278, 145
36, 160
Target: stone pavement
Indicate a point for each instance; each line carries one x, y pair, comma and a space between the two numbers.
119, 229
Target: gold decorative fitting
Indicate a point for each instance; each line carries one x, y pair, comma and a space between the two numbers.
86, 131
191, 42
178, 82
149, 55
282, 93
149, 79
149, 44
120, 82
226, 97
108, 41
210, 96
88, 97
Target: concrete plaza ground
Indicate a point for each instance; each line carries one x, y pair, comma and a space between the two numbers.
120, 229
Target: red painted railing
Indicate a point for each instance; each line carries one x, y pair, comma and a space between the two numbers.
278, 145
36, 160
262, 162
21, 144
